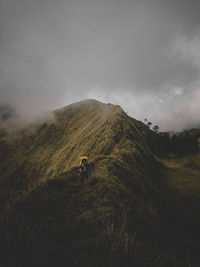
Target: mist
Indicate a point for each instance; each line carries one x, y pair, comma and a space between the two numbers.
143, 55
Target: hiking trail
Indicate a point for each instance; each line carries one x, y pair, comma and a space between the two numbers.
69, 210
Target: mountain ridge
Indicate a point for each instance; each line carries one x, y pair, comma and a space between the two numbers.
128, 205
54, 135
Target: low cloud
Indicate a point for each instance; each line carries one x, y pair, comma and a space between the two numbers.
186, 114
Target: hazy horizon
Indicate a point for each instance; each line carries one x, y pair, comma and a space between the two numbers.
143, 55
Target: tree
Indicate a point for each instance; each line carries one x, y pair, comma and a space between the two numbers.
156, 128
149, 124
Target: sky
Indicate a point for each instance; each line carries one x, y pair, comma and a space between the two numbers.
141, 54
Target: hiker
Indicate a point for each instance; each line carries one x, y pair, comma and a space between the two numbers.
84, 170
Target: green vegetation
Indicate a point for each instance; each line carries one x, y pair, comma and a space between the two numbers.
184, 172
133, 213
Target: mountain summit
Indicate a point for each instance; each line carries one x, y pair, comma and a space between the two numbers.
129, 215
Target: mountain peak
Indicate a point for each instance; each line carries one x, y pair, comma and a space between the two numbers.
90, 104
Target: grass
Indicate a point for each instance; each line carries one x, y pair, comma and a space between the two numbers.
96, 235
131, 213
184, 173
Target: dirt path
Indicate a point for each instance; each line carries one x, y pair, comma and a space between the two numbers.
68, 211
71, 206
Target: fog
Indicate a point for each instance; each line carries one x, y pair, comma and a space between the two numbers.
142, 54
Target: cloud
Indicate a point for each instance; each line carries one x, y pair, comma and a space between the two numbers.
143, 55
188, 48
186, 115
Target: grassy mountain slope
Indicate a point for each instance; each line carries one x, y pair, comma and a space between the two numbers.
184, 172
128, 216
53, 147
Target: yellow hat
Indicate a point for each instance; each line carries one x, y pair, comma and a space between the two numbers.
81, 158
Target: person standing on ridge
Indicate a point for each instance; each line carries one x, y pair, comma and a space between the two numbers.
84, 170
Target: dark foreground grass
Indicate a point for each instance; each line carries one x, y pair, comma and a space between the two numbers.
108, 224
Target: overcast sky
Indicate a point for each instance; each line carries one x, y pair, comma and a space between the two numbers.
141, 54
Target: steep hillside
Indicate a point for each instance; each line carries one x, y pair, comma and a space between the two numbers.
6, 112
129, 215
184, 172
48, 149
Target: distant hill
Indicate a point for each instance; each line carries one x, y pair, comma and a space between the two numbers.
6, 112
131, 214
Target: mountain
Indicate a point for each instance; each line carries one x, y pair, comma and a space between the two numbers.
9, 119
6, 112
133, 212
